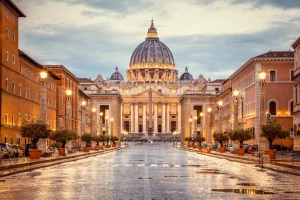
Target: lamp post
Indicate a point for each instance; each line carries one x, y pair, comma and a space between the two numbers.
209, 126
43, 96
220, 104
93, 113
101, 132
111, 129
235, 109
106, 125
68, 109
262, 118
83, 103
195, 125
201, 124
191, 120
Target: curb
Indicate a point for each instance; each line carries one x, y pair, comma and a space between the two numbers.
24, 167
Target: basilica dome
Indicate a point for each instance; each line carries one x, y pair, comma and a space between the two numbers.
116, 75
186, 76
152, 53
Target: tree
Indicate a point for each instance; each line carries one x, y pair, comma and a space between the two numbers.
98, 138
199, 139
87, 137
63, 136
240, 135
35, 131
273, 130
220, 137
114, 139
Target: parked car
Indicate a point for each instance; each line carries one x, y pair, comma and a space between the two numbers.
278, 147
229, 147
245, 146
252, 148
28, 146
10, 149
18, 150
214, 146
5, 152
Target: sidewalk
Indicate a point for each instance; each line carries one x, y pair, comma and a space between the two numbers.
18, 165
282, 165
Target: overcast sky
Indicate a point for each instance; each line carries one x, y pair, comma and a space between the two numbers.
211, 37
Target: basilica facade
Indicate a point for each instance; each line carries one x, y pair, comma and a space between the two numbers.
152, 65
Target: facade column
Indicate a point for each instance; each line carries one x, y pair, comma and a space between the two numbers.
132, 118
155, 118
168, 117
144, 118
136, 121
163, 118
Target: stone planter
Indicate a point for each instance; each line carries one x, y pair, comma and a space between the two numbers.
97, 148
271, 153
222, 149
62, 151
241, 151
86, 149
107, 146
194, 146
200, 148
114, 145
35, 153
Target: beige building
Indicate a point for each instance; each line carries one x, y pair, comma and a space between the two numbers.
152, 65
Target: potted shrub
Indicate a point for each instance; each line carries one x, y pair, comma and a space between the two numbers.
271, 131
199, 139
240, 135
114, 139
35, 131
188, 139
107, 142
63, 136
97, 139
88, 138
221, 138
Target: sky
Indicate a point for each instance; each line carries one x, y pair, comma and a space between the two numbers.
211, 37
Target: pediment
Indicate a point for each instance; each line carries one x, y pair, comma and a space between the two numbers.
145, 93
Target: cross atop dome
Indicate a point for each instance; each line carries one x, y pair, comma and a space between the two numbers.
152, 33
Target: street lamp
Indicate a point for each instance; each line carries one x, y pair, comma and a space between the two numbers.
101, 131
235, 108
201, 124
43, 95
83, 103
209, 126
106, 125
111, 129
262, 83
191, 120
220, 104
195, 125
68, 111
93, 113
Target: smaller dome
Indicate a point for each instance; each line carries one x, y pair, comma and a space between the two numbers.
186, 76
116, 75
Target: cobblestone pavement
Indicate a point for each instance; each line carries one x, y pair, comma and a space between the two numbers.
150, 171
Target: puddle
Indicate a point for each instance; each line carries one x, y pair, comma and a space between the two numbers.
243, 191
172, 176
191, 165
145, 178
246, 184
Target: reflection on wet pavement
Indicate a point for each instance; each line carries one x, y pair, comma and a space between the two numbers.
139, 173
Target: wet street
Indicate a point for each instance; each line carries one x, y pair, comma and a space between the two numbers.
150, 171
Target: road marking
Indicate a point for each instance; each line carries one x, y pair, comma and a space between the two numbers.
141, 165
153, 165
128, 165
176, 165
164, 165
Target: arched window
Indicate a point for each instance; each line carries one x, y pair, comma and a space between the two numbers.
272, 107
